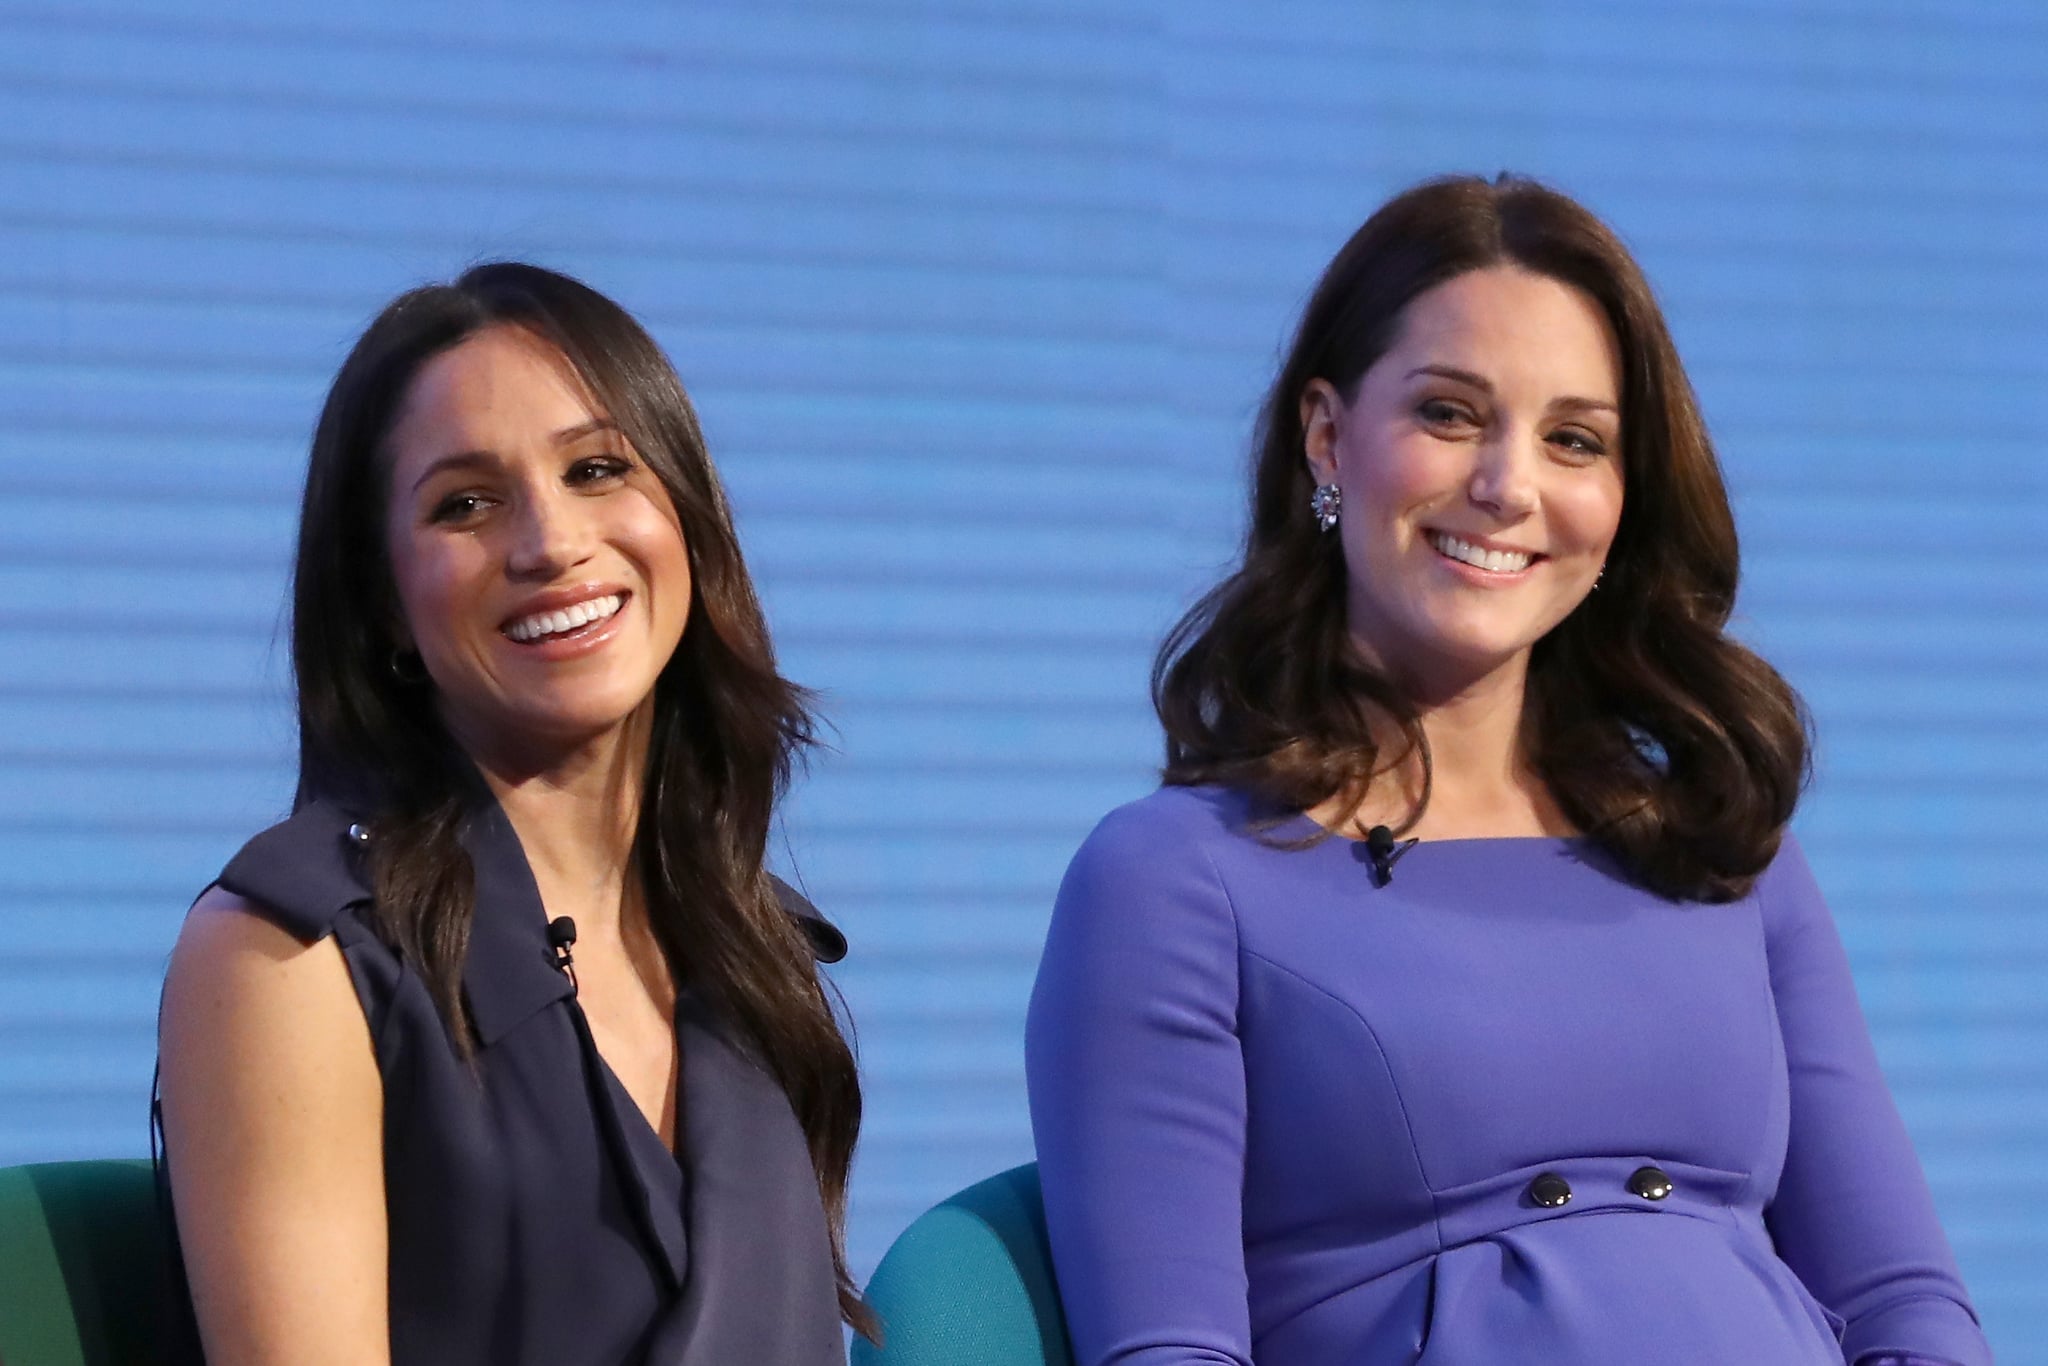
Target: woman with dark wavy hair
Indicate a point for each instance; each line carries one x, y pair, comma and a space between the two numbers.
1467, 910
505, 1048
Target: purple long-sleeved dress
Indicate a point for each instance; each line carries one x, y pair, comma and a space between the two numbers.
1509, 1107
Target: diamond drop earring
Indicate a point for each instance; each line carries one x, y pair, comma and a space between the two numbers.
1326, 502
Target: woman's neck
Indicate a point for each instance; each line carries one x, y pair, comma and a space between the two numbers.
1479, 782
576, 812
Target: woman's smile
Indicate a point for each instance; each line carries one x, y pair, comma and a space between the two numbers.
1493, 563
567, 625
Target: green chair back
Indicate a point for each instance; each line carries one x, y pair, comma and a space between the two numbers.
87, 1277
970, 1283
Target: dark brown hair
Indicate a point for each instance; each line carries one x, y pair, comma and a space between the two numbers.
1674, 747
726, 728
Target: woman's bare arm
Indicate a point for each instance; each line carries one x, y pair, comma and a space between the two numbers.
273, 1116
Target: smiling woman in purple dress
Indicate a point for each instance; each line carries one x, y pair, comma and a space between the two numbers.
1461, 998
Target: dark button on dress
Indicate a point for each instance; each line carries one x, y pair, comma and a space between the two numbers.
1550, 1191
535, 1217
1650, 1182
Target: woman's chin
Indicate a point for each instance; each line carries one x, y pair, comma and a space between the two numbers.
1449, 654
539, 735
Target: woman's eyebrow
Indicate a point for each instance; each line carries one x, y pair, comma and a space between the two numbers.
583, 429
1573, 402
1453, 372
455, 460
485, 459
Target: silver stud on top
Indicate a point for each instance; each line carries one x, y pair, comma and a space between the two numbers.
359, 835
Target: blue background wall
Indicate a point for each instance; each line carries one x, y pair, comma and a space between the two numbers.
976, 300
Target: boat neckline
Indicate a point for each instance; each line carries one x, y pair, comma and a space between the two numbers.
1301, 823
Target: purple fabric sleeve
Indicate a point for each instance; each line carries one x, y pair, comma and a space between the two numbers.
1138, 1105
1852, 1215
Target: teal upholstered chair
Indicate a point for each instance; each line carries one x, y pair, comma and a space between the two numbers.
970, 1284
86, 1274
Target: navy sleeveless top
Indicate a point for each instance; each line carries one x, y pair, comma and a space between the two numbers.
535, 1216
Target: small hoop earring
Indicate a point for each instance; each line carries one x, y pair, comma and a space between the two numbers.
1326, 502
407, 667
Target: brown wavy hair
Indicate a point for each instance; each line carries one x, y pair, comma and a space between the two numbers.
1663, 739
727, 727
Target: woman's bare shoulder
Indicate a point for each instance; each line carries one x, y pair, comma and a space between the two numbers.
248, 994
270, 1075
229, 947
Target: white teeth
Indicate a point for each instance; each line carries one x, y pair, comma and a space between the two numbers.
1499, 561
567, 619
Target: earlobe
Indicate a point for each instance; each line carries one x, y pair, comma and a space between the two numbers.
400, 631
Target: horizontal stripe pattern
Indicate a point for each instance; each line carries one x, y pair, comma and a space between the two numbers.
977, 305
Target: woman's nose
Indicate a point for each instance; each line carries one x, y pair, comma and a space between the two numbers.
549, 535
1504, 479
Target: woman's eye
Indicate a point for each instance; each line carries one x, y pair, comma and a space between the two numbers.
457, 508
1441, 412
597, 469
1579, 442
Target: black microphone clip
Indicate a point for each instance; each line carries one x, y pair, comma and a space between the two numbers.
561, 935
1384, 851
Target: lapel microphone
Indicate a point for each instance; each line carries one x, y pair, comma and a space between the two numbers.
1384, 851
561, 935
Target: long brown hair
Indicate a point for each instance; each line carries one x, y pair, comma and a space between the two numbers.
727, 727
1662, 738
